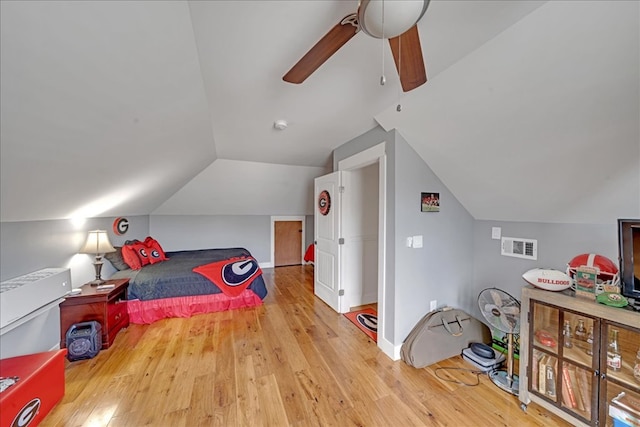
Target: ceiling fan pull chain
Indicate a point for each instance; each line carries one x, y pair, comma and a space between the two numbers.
383, 79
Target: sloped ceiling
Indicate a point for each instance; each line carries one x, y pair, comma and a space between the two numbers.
103, 108
542, 122
293, 195
109, 108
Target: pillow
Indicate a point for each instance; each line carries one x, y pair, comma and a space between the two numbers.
142, 251
155, 252
116, 259
130, 257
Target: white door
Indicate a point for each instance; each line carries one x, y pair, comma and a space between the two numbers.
327, 260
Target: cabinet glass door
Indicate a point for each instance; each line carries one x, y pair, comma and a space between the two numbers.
562, 359
543, 374
580, 336
544, 353
544, 327
580, 340
620, 364
577, 387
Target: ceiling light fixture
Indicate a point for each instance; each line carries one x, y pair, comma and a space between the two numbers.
390, 20
280, 124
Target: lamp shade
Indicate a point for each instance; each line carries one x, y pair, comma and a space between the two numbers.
97, 243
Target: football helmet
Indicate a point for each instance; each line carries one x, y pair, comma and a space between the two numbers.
606, 269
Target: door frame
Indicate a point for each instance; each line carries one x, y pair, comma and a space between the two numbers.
274, 219
377, 153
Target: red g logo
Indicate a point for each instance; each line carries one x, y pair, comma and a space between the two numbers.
27, 414
120, 226
324, 202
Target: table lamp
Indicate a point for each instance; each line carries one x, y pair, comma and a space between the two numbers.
97, 244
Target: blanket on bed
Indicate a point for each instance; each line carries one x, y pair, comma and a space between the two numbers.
175, 277
233, 275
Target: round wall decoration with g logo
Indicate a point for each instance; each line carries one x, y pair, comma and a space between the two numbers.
120, 226
324, 202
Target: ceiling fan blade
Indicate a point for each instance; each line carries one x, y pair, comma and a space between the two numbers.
340, 34
407, 54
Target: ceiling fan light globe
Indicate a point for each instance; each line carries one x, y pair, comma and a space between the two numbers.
399, 16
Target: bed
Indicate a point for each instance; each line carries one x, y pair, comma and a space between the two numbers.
192, 282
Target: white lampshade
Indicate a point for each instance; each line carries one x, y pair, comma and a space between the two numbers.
398, 17
97, 243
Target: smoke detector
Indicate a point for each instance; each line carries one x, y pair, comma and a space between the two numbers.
280, 124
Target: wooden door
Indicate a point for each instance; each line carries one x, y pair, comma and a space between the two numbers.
287, 243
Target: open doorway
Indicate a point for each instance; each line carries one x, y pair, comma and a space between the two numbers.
354, 275
360, 225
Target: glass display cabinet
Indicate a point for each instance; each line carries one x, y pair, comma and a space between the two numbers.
579, 358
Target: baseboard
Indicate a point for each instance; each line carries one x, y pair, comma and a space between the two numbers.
388, 348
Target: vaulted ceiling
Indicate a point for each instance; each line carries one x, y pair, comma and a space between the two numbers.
531, 111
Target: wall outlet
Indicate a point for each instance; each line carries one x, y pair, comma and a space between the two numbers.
417, 241
433, 305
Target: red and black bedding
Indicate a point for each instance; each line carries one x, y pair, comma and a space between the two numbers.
192, 282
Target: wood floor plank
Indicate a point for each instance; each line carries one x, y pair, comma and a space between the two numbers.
248, 411
291, 362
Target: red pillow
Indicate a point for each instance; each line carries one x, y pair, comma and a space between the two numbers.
142, 251
154, 250
130, 257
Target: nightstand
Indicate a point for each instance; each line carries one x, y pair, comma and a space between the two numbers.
108, 307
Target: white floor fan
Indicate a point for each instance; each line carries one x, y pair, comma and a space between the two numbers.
502, 311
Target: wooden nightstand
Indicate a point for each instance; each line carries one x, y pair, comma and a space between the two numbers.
108, 307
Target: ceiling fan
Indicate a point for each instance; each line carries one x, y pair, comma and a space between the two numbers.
395, 20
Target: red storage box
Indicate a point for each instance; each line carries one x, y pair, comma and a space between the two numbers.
38, 387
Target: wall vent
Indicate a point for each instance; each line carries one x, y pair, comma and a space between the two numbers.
520, 248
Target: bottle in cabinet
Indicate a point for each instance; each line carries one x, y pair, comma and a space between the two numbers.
568, 336
614, 358
590, 341
581, 331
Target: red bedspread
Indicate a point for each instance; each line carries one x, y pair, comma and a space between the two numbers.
144, 312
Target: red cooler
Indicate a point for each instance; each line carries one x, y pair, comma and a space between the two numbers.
33, 385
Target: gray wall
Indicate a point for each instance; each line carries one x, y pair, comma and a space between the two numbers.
369, 139
557, 245
309, 232
32, 245
443, 268
28, 246
180, 232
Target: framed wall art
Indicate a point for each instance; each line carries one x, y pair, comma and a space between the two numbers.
430, 202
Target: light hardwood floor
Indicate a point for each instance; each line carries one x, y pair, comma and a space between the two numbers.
291, 362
